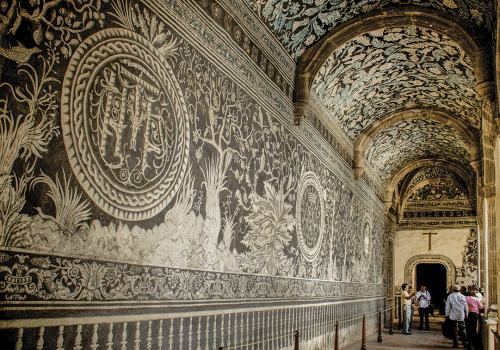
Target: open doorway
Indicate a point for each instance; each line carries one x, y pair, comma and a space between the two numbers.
434, 277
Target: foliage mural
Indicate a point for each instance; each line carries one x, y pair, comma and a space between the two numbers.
298, 25
127, 143
431, 172
389, 69
411, 140
438, 191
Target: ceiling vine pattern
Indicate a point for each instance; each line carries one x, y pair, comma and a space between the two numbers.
437, 191
433, 172
414, 139
389, 69
299, 24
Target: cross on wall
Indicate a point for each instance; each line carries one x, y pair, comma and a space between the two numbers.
430, 236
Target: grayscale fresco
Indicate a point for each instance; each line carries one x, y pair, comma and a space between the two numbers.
383, 71
299, 24
411, 140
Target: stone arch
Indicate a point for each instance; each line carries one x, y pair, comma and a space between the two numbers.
442, 116
475, 43
451, 270
394, 180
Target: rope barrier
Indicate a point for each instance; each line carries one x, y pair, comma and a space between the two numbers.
309, 329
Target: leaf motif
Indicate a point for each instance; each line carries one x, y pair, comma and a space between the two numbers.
16, 24
38, 35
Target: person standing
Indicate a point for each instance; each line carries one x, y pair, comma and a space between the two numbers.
474, 305
412, 314
423, 298
406, 301
457, 311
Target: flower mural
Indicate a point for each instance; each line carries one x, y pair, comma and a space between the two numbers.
411, 140
389, 69
432, 172
298, 25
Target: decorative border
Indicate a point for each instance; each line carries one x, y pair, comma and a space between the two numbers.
435, 224
430, 204
330, 138
226, 22
439, 214
430, 259
29, 277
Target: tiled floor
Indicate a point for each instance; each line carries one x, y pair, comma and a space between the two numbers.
432, 339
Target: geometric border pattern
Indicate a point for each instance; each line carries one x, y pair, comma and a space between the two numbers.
430, 259
31, 277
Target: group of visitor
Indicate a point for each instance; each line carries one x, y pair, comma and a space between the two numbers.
409, 299
462, 310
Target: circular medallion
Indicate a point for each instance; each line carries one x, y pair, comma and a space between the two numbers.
216, 12
310, 211
125, 124
366, 240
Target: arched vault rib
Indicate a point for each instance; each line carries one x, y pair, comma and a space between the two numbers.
442, 116
393, 182
476, 45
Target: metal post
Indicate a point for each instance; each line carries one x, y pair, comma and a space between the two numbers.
392, 322
363, 334
337, 326
297, 339
379, 338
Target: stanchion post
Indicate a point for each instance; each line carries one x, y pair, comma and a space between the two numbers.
297, 339
337, 327
379, 338
363, 334
391, 322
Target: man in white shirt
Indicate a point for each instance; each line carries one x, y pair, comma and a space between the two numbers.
457, 311
423, 299
406, 301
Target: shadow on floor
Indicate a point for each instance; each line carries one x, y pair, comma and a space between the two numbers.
420, 339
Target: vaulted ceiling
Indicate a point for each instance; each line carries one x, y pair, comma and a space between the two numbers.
369, 61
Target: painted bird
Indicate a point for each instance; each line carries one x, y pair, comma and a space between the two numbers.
19, 53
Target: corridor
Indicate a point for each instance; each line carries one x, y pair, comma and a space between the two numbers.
432, 339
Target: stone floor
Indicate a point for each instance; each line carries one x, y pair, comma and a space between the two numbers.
432, 339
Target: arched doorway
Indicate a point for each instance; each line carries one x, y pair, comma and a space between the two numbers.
433, 276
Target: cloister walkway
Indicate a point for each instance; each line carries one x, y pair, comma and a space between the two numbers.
419, 340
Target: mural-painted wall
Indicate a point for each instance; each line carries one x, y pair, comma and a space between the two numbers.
137, 164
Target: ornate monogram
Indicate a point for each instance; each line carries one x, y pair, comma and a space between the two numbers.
125, 124
35, 277
310, 216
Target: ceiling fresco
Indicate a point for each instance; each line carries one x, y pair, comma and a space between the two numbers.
438, 191
434, 172
389, 69
299, 24
406, 141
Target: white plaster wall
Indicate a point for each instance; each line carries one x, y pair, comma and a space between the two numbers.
448, 242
